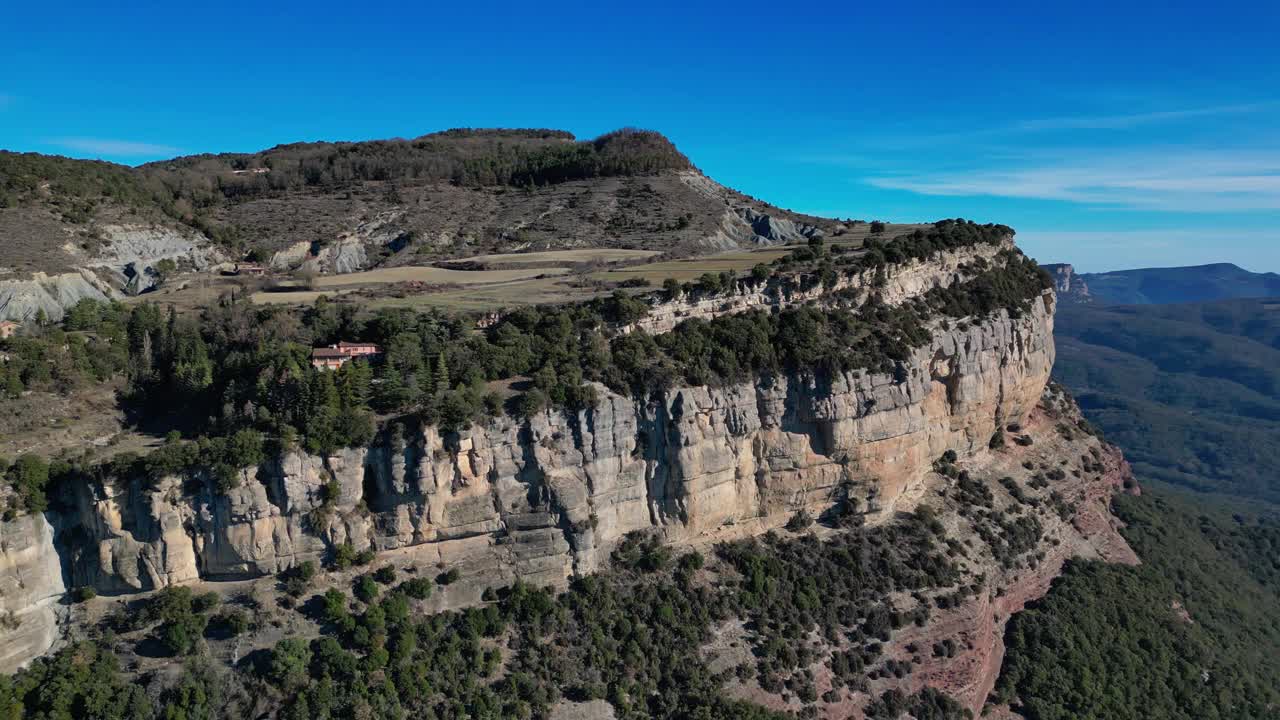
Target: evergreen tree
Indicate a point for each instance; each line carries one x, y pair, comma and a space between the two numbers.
193, 370
440, 380
321, 421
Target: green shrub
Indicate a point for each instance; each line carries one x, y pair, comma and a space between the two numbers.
235, 620
366, 589
417, 588
205, 601
800, 521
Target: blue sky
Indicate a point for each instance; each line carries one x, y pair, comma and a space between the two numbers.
1108, 134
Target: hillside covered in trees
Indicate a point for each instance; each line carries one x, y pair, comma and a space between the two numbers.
1191, 633
440, 195
1190, 391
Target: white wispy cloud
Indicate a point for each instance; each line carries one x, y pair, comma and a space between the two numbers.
125, 148
1014, 136
1175, 180
1121, 121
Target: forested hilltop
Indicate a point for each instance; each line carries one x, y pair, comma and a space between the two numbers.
401, 202
186, 188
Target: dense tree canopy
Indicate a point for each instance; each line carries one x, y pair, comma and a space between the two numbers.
1113, 642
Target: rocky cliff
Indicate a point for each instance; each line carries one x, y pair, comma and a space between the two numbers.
893, 286
1057, 475
24, 299
123, 263
31, 583
547, 498
1070, 285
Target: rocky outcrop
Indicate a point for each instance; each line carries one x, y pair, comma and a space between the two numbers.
31, 583
1090, 532
742, 225
1070, 285
125, 262
349, 252
291, 256
895, 285
548, 497
769, 230
130, 254
973, 630
24, 299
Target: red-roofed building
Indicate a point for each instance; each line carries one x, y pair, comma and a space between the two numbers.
335, 356
358, 349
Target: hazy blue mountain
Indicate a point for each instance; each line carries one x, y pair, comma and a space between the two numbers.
1160, 286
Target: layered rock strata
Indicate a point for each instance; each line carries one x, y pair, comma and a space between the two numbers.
548, 495
546, 498
893, 285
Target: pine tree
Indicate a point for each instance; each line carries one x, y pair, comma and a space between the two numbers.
192, 368
440, 382
321, 420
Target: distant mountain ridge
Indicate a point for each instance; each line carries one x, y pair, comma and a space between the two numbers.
1162, 286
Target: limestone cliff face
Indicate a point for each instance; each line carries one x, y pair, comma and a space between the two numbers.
545, 498
31, 582
1070, 285
1091, 473
550, 496
894, 285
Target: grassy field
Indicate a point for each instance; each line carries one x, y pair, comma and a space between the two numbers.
431, 276
691, 268
196, 292
537, 291
535, 284
739, 261
293, 297
569, 257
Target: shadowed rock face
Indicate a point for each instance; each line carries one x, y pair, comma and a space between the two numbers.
1070, 285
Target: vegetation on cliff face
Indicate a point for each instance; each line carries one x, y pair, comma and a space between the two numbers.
631, 636
1190, 392
1191, 633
